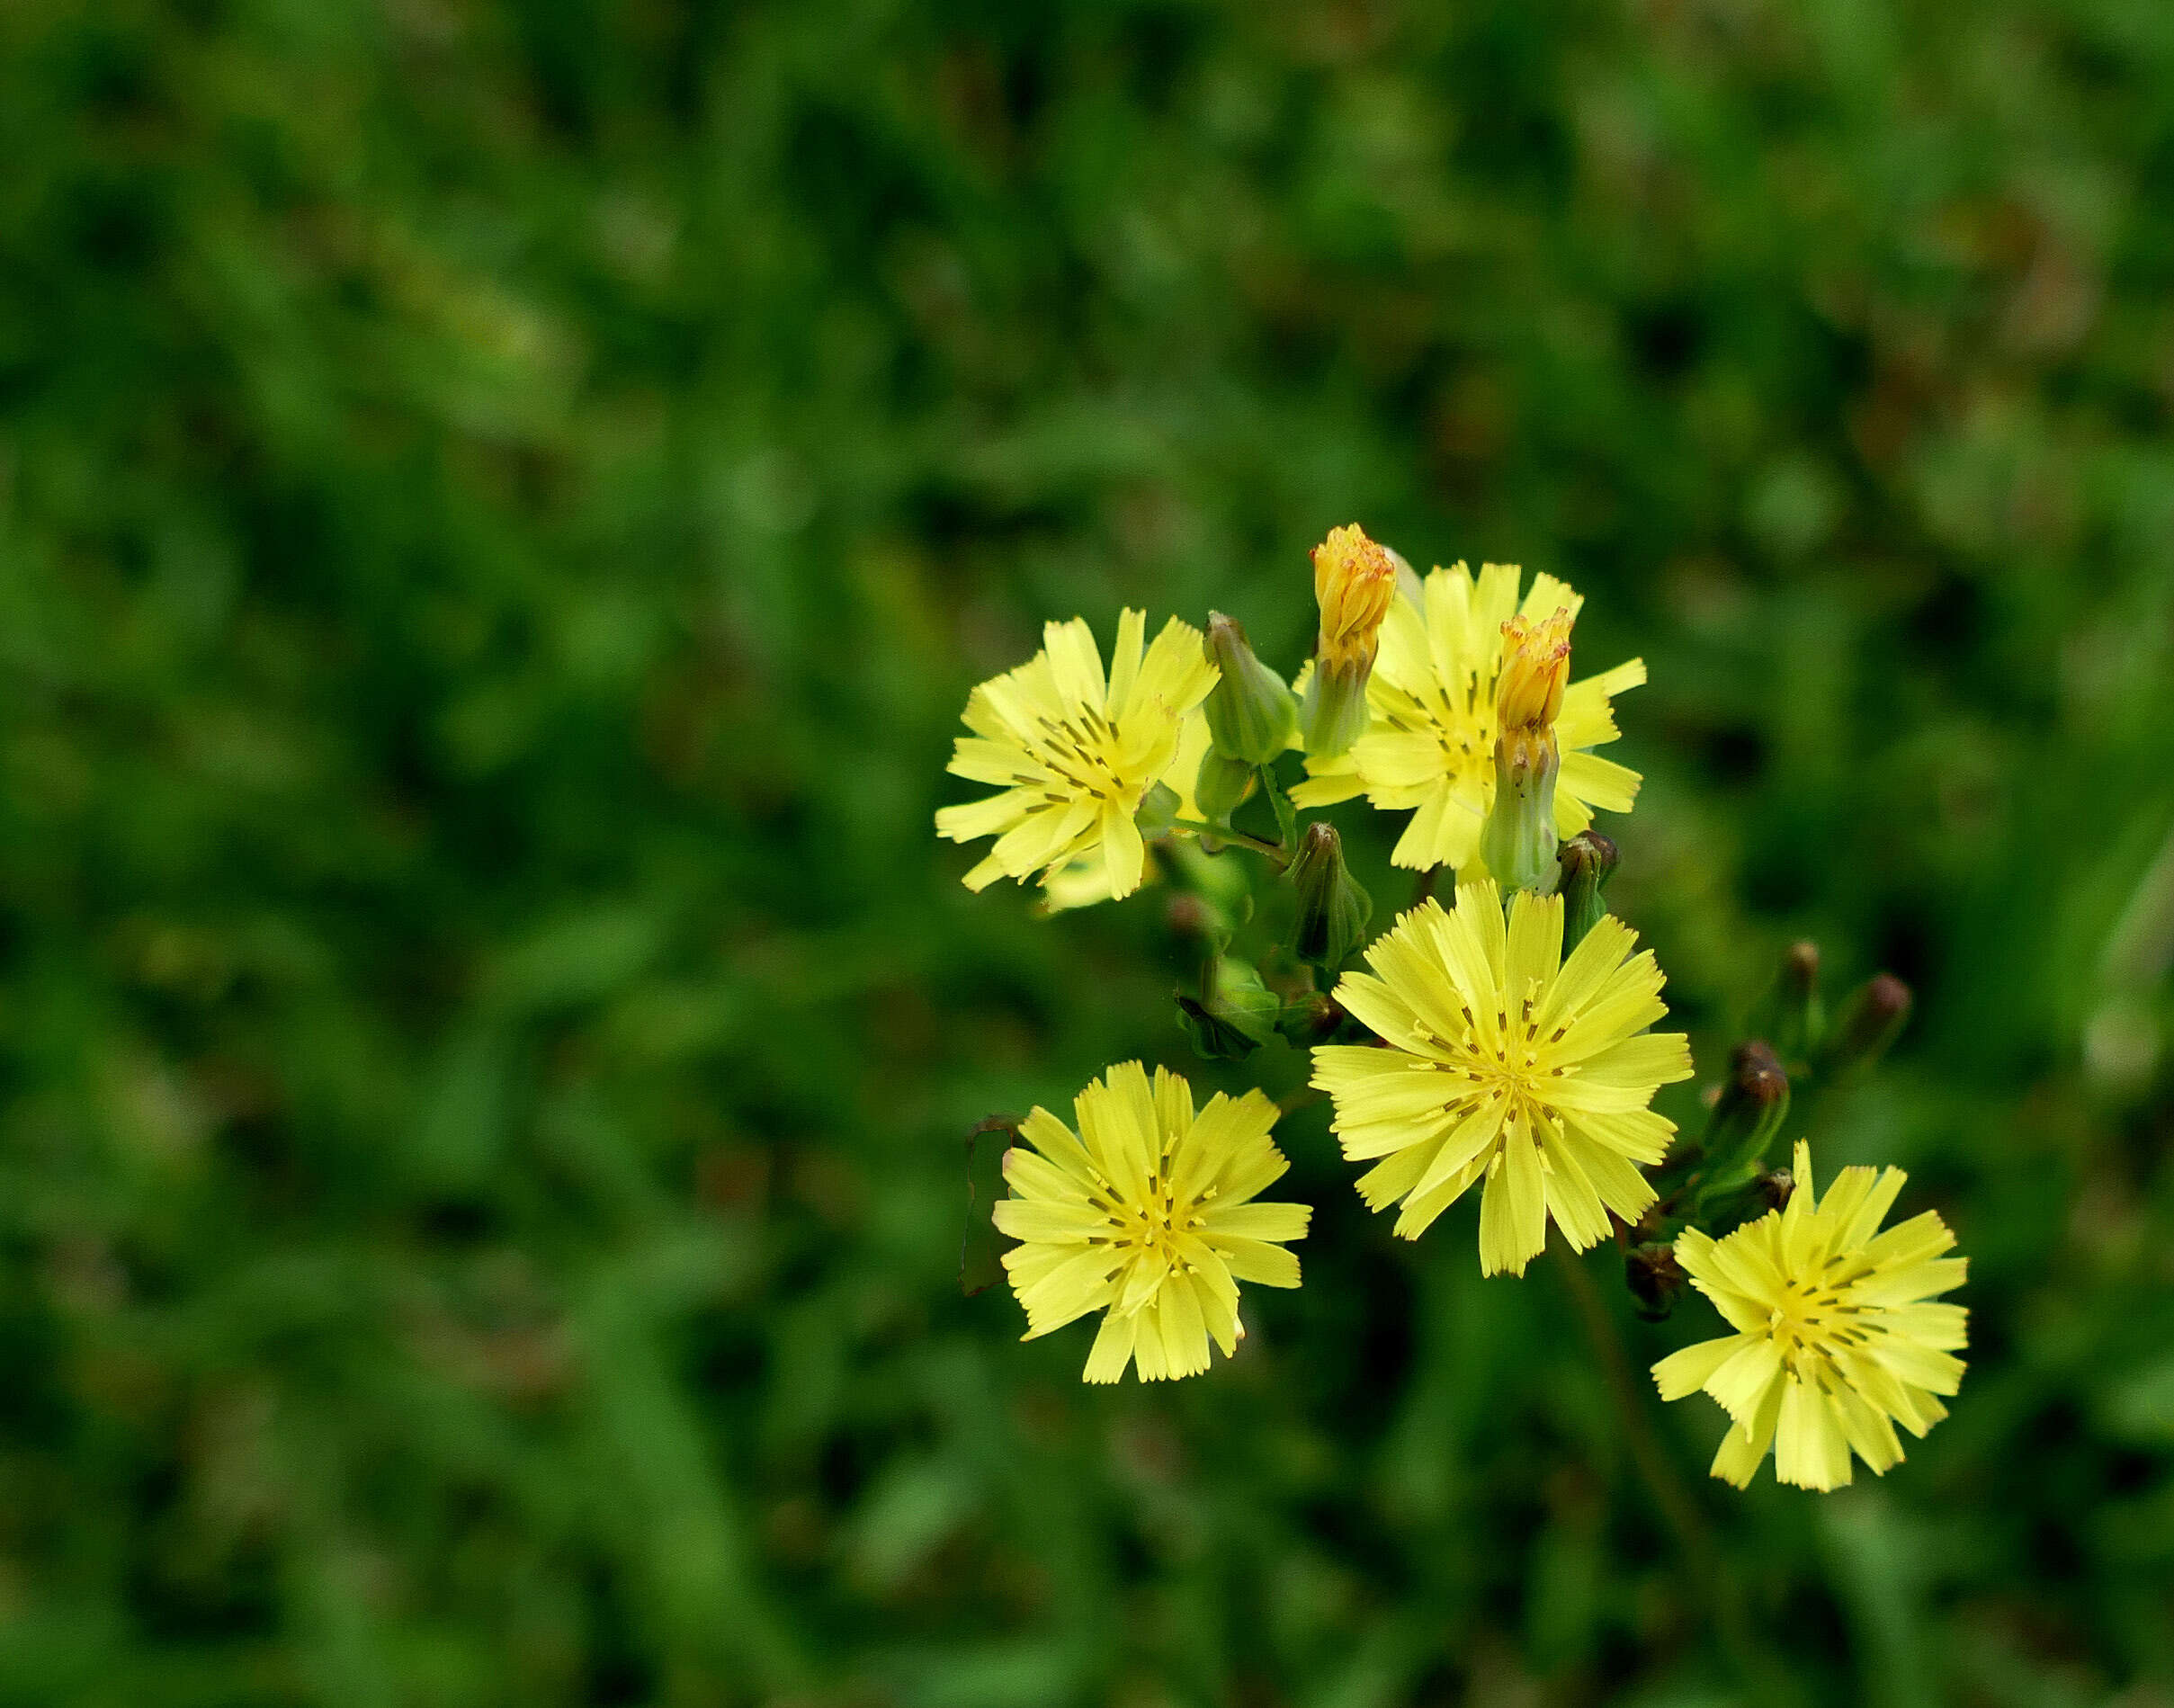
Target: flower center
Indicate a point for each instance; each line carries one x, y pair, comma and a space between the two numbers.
1081, 755
1814, 1319
1460, 720
1514, 1066
1150, 1223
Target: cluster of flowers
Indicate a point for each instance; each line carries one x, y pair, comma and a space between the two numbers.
1503, 1042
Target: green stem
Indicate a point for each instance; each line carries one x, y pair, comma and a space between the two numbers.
1677, 1506
1244, 838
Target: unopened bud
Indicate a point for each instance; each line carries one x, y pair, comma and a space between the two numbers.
1536, 669
1197, 924
1588, 860
1655, 1278
1355, 582
1791, 1013
1775, 1188
1222, 785
1752, 1105
1332, 909
1309, 1019
1869, 1022
1251, 713
1801, 967
1237, 1018
1157, 812
1518, 842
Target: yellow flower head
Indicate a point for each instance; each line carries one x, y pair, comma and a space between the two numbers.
1835, 1342
1535, 666
1430, 745
1145, 1214
1508, 1063
1355, 581
1076, 753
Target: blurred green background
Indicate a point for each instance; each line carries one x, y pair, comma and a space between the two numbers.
500, 507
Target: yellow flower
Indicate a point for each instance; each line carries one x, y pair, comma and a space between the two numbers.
1508, 1062
1431, 744
1144, 1214
1076, 752
1835, 1342
1353, 582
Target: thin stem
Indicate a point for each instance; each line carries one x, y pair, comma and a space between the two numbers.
1677, 1505
1298, 1097
1425, 886
1244, 838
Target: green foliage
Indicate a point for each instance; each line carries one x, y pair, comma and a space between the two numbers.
500, 507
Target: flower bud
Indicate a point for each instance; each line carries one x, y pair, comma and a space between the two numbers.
1518, 840
1774, 1189
1355, 581
1869, 1022
1222, 785
1536, 669
1198, 924
1753, 1104
1790, 1015
1332, 909
1251, 714
1238, 1018
1156, 810
1655, 1279
1309, 1019
1588, 860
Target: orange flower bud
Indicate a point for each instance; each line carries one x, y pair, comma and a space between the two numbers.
1354, 581
1535, 664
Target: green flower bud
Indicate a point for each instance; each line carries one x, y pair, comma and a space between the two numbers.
1588, 860
1655, 1279
1868, 1024
1198, 924
1251, 714
1744, 1196
1774, 1189
1332, 909
1752, 1106
1309, 1019
1221, 786
1790, 1015
1158, 811
1518, 840
1237, 1018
